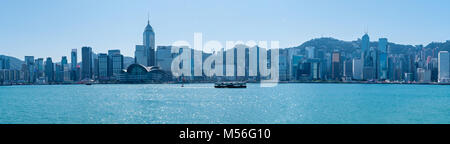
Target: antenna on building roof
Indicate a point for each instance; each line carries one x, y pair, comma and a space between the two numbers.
366, 31
148, 17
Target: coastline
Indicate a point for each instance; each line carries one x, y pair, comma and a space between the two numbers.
212, 82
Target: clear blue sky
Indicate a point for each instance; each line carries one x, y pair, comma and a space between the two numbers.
53, 27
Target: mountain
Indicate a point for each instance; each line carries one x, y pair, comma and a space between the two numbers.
329, 44
442, 46
15, 63
332, 44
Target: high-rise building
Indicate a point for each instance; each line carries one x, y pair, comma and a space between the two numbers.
64, 60
348, 69
365, 43
74, 74
164, 57
357, 69
368, 58
336, 66
149, 44
444, 65
116, 63
73, 59
39, 67
49, 70
103, 66
140, 56
64, 72
86, 66
31, 75
145, 53
59, 73
382, 58
95, 67
423, 75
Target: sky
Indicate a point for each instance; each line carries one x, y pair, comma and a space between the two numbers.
51, 28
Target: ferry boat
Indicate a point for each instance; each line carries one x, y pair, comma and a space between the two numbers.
230, 85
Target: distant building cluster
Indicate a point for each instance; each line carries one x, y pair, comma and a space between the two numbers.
369, 63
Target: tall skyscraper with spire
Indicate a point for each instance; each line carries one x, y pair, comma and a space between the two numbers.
145, 53
149, 44
368, 58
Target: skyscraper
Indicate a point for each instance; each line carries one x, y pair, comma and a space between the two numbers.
365, 43
64, 60
103, 66
116, 62
444, 65
140, 56
86, 67
336, 66
74, 62
73, 59
382, 58
63, 76
164, 58
368, 58
357, 69
149, 44
49, 70
39, 67
31, 75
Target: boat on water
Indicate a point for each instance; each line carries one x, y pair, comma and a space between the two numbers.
230, 85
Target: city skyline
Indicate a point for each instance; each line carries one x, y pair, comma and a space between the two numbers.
53, 28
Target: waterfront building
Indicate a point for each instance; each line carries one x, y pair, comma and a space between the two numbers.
137, 73
39, 67
95, 67
164, 57
149, 44
296, 59
336, 66
409, 77
59, 73
73, 59
382, 66
49, 70
308, 69
86, 66
74, 75
103, 66
423, 75
30, 75
140, 56
357, 69
365, 43
348, 69
64, 61
368, 57
145, 53
116, 63
66, 73
444, 65
283, 67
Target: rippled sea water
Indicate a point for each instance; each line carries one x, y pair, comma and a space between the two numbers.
203, 104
